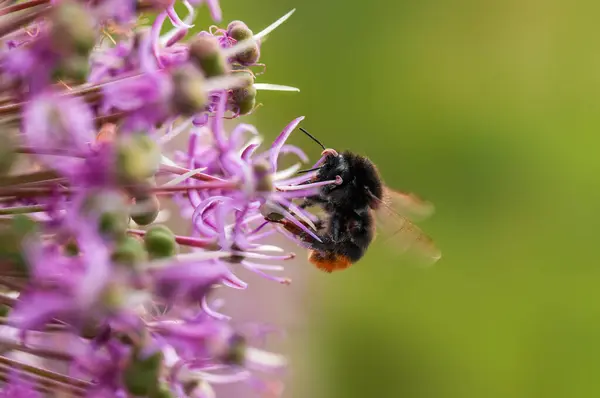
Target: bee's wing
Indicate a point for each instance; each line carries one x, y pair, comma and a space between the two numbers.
398, 232
408, 204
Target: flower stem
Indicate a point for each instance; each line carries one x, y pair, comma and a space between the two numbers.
182, 170
17, 22
22, 6
48, 151
40, 352
22, 209
46, 374
44, 176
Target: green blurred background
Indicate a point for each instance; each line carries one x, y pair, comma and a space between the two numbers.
491, 110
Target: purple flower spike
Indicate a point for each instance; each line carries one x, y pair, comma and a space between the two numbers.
109, 296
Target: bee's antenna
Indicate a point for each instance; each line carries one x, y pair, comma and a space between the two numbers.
313, 138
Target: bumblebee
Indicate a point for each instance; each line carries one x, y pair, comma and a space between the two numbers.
352, 211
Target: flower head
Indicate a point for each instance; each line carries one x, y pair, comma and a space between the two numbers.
94, 103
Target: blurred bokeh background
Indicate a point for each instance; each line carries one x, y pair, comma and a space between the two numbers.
491, 109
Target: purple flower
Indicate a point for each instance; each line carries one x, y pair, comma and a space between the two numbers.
61, 286
138, 310
51, 120
17, 387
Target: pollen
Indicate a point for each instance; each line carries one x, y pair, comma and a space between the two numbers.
329, 262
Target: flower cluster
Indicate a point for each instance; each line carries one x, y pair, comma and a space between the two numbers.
99, 298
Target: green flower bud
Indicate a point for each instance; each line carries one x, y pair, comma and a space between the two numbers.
7, 154
138, 157
264, 177
4, 310
206, 54
72, 28
113, 224
73, 69
113, 297
141, 377
12, 237
130, 251
149, 206
244, 99
159, 243
71, 248
111, 210
236, 351
250, 56
163, 391
160, 228
189, 96
240, 31
244, 74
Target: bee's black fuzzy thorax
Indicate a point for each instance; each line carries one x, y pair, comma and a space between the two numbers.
360, 180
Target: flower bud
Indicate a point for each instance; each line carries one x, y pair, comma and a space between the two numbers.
189, 95
4, 310
244, 99
110, 209
130, 251
198, 389
149, 206
263, 177
71, 248
138, 157
160, 242
141, 377
236, 351
205, 53
240, 31
162, 391
7, 155
72, 28
73, 69
113, 297
12, 237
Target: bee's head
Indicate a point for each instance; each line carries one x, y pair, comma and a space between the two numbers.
360, 179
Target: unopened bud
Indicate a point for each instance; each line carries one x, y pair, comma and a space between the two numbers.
8, 156
72, 28
130, 251
142, 375
160, 242
205, 53
71, 248
244, 99
12, 237
236, 351
110, 209
162, 391
138, 157
73, 69
263, 177
189, 94
240, 31
147, 208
